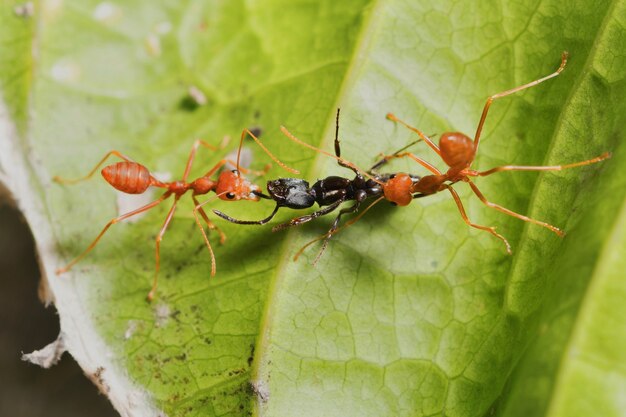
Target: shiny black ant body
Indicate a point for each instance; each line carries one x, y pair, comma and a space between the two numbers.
329, 193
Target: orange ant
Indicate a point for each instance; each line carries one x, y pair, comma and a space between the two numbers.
134, 178
458, 152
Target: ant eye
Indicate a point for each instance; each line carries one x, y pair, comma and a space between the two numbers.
235, 171
230, 196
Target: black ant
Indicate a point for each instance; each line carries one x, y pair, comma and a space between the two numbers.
457, 151
134, 178
331, 192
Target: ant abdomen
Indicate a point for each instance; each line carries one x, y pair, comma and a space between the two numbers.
457, 150
128, 177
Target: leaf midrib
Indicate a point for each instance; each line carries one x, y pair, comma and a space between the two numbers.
369, 27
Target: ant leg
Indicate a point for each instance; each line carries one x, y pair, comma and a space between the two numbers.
223, 162
491, 230
384, 159
261, 173
331, 232
106, 227
333, 229
421, 134
494, 97
192, 155
258, 142
197, 209
237, 221
512, 213
217, 166
600, 158
417, 159
60, 180
208, 222
159, 238
304, 219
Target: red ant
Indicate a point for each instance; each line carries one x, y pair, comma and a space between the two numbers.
458, 152
134, 178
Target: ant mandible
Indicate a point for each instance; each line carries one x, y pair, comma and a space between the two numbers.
458, 151
132, 177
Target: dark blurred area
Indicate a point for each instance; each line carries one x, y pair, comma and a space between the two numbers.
26, 325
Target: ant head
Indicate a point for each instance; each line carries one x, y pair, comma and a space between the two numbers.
232, 186
457, 150
291, 192
398, 189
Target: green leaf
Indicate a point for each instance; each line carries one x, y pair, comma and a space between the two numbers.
409, 312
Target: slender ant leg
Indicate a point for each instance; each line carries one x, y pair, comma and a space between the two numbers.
158, 240
192, 155
60, 180
491, 230
209, 223
248, 222
106, 227
198, 209
384, 159
333, 229
501, 94
602, 157
328, 234
458, 152
307, 218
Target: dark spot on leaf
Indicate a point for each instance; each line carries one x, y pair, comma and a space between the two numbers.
188, 104
256, 130
199, 249
251, 356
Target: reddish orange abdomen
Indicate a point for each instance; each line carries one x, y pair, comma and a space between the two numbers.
128, 177
457, 150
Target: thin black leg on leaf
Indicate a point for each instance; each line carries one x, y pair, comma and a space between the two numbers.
237, 221
331, 231
304, 219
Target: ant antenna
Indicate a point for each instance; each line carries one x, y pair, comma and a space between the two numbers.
258, 141
342, 161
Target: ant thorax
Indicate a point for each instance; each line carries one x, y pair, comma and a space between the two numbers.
202, 185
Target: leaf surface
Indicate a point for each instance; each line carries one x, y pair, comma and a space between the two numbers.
409, 312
